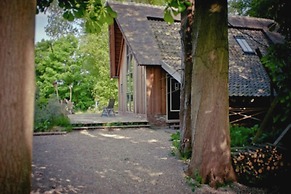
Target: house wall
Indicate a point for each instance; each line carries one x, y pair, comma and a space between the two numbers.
149, 91
122, 85
139, 81
116, 42
156, 94
139, 89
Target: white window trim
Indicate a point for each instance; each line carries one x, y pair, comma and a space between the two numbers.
171, 108
244, 45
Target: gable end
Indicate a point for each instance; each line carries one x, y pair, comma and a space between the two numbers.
116, 45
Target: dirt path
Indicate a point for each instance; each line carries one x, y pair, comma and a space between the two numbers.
102, 161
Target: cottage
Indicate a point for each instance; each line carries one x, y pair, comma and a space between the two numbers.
145, 56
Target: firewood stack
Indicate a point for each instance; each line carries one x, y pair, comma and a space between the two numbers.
257, 163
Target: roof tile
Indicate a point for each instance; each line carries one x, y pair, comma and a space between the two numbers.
154, 42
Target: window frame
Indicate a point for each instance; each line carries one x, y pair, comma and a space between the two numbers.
129, 80
244, 45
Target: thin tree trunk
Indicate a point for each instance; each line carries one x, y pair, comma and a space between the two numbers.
211, 157
185, 104
267, 119
17, 94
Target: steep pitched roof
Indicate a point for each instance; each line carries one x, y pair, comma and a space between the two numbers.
133, 23
154, 42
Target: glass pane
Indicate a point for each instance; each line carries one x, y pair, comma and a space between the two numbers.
244, 45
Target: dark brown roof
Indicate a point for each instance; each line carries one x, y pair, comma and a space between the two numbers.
133, 23
154, 42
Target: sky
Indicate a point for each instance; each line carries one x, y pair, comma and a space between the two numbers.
40, 23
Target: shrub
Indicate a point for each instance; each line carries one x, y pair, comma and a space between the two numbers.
46, 116
175, 138
241, 136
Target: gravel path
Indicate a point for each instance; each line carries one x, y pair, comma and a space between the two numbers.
127, 161
103, 161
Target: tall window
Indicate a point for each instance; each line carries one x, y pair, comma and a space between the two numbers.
129, 80
244, 45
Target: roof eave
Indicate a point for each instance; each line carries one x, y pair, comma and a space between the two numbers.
112, 50
175, 74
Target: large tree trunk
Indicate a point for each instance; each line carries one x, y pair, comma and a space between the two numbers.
211, 157
17, 94
187, 65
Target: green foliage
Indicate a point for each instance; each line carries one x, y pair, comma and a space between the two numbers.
82, 65
97, 15
173, 8
62, 121
239, 7
168, 16
198, 177
194, 183
95, 59
175, 138
47, 116
277, 10
57, 62
72, 8
242, 136
95, 12
57, 25
278, 64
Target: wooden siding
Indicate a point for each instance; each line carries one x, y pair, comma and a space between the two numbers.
139, 86
116, 44
122, 84
156, 90
139, 89
149, 81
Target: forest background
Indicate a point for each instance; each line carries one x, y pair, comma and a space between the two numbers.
71, 65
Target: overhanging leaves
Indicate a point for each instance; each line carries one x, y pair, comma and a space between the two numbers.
173, 8
94, 12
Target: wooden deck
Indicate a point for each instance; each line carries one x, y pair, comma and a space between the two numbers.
93, 121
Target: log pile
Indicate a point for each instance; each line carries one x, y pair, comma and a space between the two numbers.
256, 163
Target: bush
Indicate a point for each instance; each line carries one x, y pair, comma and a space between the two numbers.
278, 64
175, 138
242, 136
47, 116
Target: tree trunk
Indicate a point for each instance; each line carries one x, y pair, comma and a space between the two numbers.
211, 158
17, 94
267, 120
185, 101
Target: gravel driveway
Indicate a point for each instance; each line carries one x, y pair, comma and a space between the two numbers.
104, 161
127, 161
